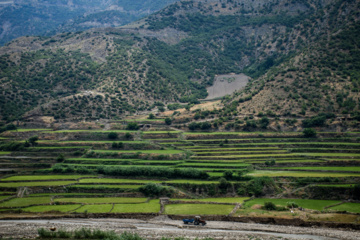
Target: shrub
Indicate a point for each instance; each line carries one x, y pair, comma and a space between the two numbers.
60, 158
269, 206
153, 189
112, 135
292, 205
168, 121
33, 140
151, 116
309, 132
132, 126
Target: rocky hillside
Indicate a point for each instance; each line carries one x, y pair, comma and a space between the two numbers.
47, 17
288, 47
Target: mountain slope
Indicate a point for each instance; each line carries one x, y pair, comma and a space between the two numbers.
173, 55
47, 17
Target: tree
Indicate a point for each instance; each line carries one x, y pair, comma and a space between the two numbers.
132, 126
112, 135
33, 140
309, 132
264, 122
168, 121
151, 116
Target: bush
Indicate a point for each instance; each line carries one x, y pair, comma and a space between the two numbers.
151, 116
60, 158
168, 121
33, 140
112, 135
292, 205
270, 206
156, 190
132, 126
309, 132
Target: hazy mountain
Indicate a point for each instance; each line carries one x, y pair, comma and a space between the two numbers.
46, 17
302, 56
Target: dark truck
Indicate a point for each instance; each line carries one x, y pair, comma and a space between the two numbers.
197, 221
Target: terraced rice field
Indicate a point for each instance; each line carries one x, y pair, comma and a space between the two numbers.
257, 154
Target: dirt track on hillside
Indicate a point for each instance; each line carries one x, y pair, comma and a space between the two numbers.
159, 227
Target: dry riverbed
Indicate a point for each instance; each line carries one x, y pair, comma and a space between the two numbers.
163, 227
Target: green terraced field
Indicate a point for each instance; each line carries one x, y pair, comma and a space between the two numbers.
23, 202
217, 200
301, 174
5, 153
104, 200
30, 130
45, 177
141, 151
342, 169
349, 207
305, 203
57, 208
153, 206
36, 184
198, 209
102, 208
103, 186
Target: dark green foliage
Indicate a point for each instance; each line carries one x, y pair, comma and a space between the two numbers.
317, 121
8, 128
33, 140
113, 135
199, 125
11, 146
155, 172
264, 122
270, 206
309, 132
228, 175
223, 185
151, 116
292, 205
168, 121
356, 191
132, 126
156, 190
118, 145
60, 158
256, 186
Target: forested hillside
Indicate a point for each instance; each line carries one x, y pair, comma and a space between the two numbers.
302, 56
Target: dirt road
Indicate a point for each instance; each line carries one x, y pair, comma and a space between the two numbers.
163, 227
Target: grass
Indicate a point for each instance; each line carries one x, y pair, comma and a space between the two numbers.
113, 180
45, 177
4, 153
344, 169
169, 151
57, 208
23, 202
91, 131
218, 200
102, 208
101, 200
30, 130
88, 142
160, 132
107, 186
35, 184
336, 185
300, 174
4, 197
153, 206
330, 154
305, 203
349, 207
198, 209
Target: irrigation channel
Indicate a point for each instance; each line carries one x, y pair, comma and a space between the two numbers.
163, 227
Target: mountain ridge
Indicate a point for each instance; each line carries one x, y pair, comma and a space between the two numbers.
174, 54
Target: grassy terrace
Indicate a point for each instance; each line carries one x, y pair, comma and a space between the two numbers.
31, 130
45, 177
198, 209
141, 151
301, 174
57, 208
103, 186
217, 200
101, 200
349, 207
305, 203
36, 184
334, 169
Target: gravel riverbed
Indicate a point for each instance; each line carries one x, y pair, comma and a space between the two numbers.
163, 227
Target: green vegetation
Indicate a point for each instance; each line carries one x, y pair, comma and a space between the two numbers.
103, 208
305, 203
153, 206
52, 208
198, 209
349, 207
46, 177
89, 200
23, 202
